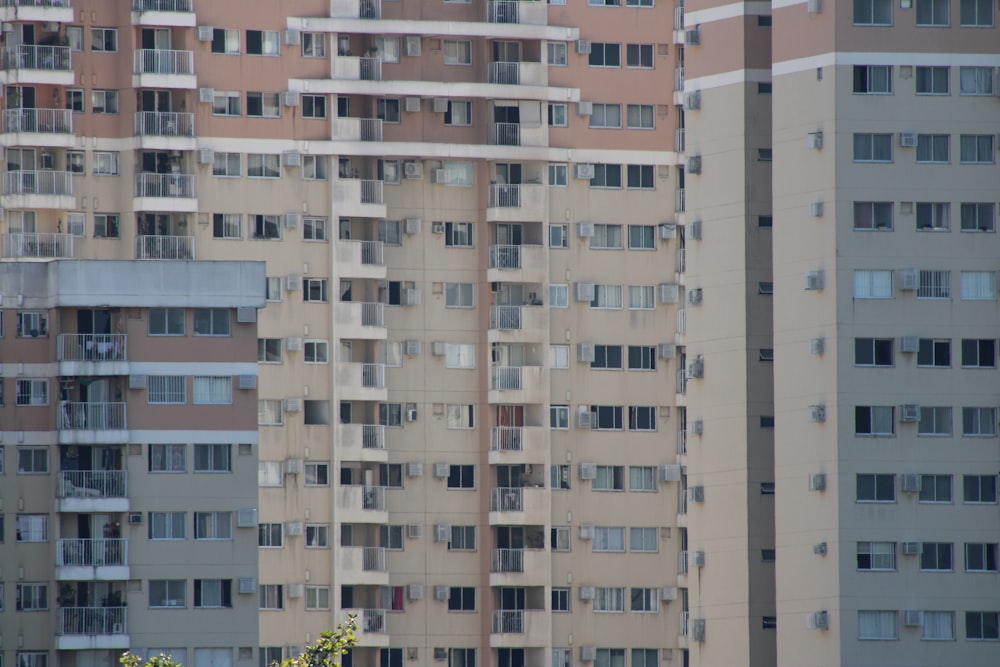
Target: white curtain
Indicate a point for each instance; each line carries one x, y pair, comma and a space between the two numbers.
938, 625
877, 625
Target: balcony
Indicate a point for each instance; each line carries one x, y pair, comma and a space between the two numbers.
92, 628
681, 381
92, 354
518, 444
38, 127
91, 423
518, 385
362, 442
362, 504
517, 628
165, 130
38, 189
679, 203
358, 320
511, 11
361, 198
519, 567
682, 321
518, 74
519, 504
36, 11
92, 560
360, 259
37, 246
679, 140
92, 491
165, 193
516, 202
682, 562
518, 264
680, 260
361, 381
357, 68
174, 13
518, 324
373, 625
356, 9
163, 68
164, 247
34, 64
357, 129
360, 566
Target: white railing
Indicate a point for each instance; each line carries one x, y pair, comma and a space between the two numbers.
373, 498
370, 9
679, 203
164, 247
679, 79
506, 439
682, 561
373, 621
507, 560
505, 257
678, 18
370, 69
92, 347
681, 259
373, 376
682, 446
92, 621
503, 195
37, 245
682, 326
505, 73
373, 559
372, 436
163, 61
679, 140
32, 56
373, 314
684, 624
508, 621
507, 134
507, 499
371, 192
92, 484
91, 553
47, 121
681, 381
682, 505
372, 253
503, 11
164, 185
91, 416
34, 3
505, 378
370, 129
162, 5
505, 317
164, 124
22, 182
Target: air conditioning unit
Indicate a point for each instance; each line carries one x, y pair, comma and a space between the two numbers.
908, 139
909, 412
816, 209
696, 427
294, 528
668, 230
814, 6
411, 226
206, 95
696, 369
584, 172
411, 104
293, 466
296, 590
135, 518
912, 548
668, 593
414, 469
587, 470
440, 654
817, 413
291, 37
692, 101
441, 593
293, 220
586, 531
697, 629
694, 230
696, 559
247, 585
411, 414
437, 228
693, 165
205, 33
413, 170
817, 620
247, 382
584, 418
669, 293
442, 469
411, 47
293, 405
814, 280
246, 517
246, 314
439, 105
583, 46
913, 618
909, 279
291, 159
206, 156
290, 98
696, 494
411, 297
588, 653
910, 482
440, 176
694, 296
587, 592
819, 548
585, 230
667, 350
585, 292
584, 108
692, 36
815, 139
585, 352
415, 592
411, 348
909, 344
670, 473
414, 531
439, 348
816, 346
293, 281
293, 343
136, 381
817, 482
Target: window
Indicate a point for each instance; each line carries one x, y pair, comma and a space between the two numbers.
459, 113
461, 657
878, 625
104, 101
605, 55
166, 321
32, 461
33, 659
934, 285
32, 597
934, 353
211, 322
609, 538
458, 234
74, 100
213, 593
932, 13
874, 420
317, 536
607, 357
873, 79
315, 352
933, 216
876, 556
263, 42
313, 45
557, 177
978, 217
314, 167
639, 55
213, 458
609, 599
32, 393
876, 488
76, 224
932, 80
979, 353
390, 414
608, 417
558, 236
561, 536
225, 41
936, 556
765, 288
105, 163
874, 352
869, 147
167, 458
461, 416
607, 176
556, 54
976, 148
978, 286
640, 177
979, 489
75, 162
273, 290
213, 525
559, 417
873, 284
227, 225
263, 165
558, 115
609, 478
935, 488
642, 478
462, 476
227, 103
317, 598
387, 109
271, 596
641, 297
32, 528
167, 593
314, 290
606, 116
462, 598
106, 225
932, 148
642, 237
607, 297
166, 390
459, 295
314, 106
561, 599
74, 38
104, 40
976, 13
559, 479
644, 539
387, 48
559, 296
263, 105
979, 422
458, 173
167, 525
463, 538
642, 418
269, 535
605, 3
982, 625
460, 355
873, 12
641, 358
457, 52
32, 324
606, 237
981, 557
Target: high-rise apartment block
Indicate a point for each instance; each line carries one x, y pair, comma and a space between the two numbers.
615, 332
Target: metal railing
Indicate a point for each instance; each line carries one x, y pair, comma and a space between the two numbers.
162, 5
91, 416
503, 11
92, 553
505, 378
34, 3
92, 621
373, 498
681, 381
373, 621
507, 560
679, 203
37, 245
679, 140
370, 9
92, 347
372, 253
373, 314
682, 562
373, 559
681, 259
504, 195
505, 317
678, 18
370, 69
164, 247
505, 73
682, 326
164, 124
505, 257
163, 61
92, 484
33, 56
507, 134
682, 504
682, 436
46, 121
372, 436
507, 499
24, 182
679, 79
508, 621
684, 624
506, 439
164, 185
370, 129
371, 192
373, 376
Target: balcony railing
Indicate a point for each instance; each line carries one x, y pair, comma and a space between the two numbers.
92, 621
33, 56
684, 624
370, 9
164, 185
679, 204
507, 499
682, 326
91, 416
504, 195
373, 559
681, 381
92, 347
370, 129
507, 560
682, 447
92, 553
373, 498
164, 124
164, 247
678, 18
45, 121
373, 376
682, 562
506, 438
373, 621
508, 621
503, 11
505, 257
372, 253
505, 378
37, 245
22, 182
372, 436
162, 5
681, 259
505, 73
505, 317
371, 192
373, 314
34, 3
163, 61
679, 79
92, 484
682, 503
679, 140
370, 69
507, 134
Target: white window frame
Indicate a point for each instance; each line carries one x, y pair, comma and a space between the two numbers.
166, 390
